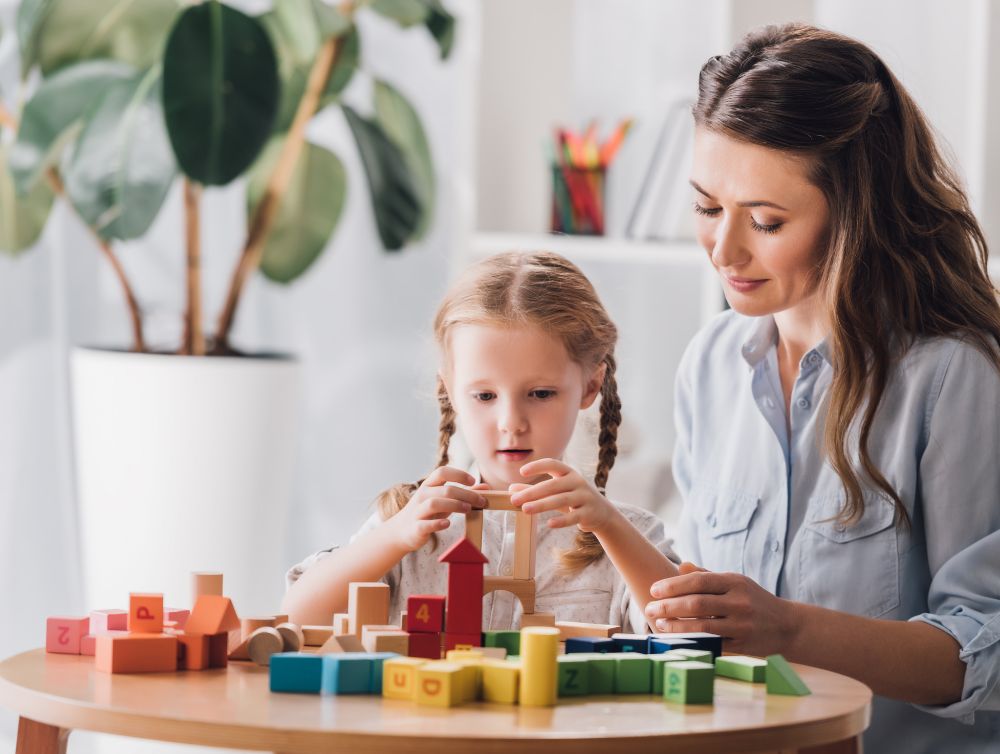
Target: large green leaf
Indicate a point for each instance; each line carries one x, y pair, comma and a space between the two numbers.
132, 31
431, 13
441, 25
21, 218
53, 116
308, 212
30, 17
403, 12
122, 165
402, 124
395, 197
220, 91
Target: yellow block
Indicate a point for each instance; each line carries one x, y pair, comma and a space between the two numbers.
472, 674
440, 683
539, 682
500, 680
399, 677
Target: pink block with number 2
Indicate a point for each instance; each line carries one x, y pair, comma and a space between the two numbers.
63, 635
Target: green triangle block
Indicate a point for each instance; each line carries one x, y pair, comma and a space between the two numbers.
782, 679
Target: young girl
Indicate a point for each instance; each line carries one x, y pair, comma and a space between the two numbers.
526, 345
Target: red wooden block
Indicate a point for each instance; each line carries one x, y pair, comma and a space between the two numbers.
192, 651
176, 615
465, 588
451, 641
425, 645
63, 634
136, 653
212, 614
145, 613
425, 613
218, 650
108, 620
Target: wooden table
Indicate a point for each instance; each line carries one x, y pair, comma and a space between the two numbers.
233, 708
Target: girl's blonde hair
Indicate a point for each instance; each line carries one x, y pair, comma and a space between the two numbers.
544, 290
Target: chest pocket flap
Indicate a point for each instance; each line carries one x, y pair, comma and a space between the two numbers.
728, 513
880, 513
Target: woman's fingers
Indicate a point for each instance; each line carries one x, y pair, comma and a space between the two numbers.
700, 582
691, 606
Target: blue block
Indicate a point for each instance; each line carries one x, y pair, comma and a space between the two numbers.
709, 642
664, 643
348, 673
296, 672
631, 643
590, 644
377, 659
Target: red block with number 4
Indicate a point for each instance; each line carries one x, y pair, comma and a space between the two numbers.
425, 613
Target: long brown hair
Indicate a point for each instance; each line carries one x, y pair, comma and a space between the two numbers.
906, 258
547, 291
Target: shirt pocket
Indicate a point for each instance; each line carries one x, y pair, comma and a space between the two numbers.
582, 605
723, 524
854, 569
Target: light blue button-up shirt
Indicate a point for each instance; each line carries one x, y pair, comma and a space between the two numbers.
759, 497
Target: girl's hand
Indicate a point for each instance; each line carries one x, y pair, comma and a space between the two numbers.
567, 491
751, 619
432, 503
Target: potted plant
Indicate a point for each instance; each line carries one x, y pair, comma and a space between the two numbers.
186, 463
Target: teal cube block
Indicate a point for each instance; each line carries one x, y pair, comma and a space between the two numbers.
574, 675
634, 674
749, 669
296, 673
377, 659
688, 682
509, 640
658, 661
349, 673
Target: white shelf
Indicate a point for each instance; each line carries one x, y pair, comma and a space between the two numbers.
594, 248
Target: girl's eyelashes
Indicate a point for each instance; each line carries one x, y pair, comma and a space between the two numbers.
759, 227
483, 396
543, 393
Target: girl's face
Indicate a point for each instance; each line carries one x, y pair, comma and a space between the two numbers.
517, 394
761, 221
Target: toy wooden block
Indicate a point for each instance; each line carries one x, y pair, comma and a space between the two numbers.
378, 659
710, 642
205, 582
590, 644
136, 653
697, 655
781, 678
263, 643
63, 635
192, 651
525, 534
440, 683
740, 668
399, 677
177, 616
498, 500
145, 613
426, 646
338, 644
402, 619
292, 635
658, 644
474, 528
218, 650
631, 642
494, 653
461, 641
249, 625
241, 651
601, 671
688, 682
108, 620
316, 636
500, 681
574, 676
464, 606
381, 639
539, 682
296, 672
529, 620
472, 673
347, 673
280, 618
341, 623
367, 603
634, 673
425, 613
523, 589
573, 630
212, 615
508, 640
658, 661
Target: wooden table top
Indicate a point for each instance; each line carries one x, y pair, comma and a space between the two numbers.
234, 708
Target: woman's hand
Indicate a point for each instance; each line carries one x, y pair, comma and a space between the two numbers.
567, 491
432, 503
751, 619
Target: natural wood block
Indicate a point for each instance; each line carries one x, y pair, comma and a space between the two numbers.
573, 676
64, 634
634, 674
249, 625
500, 681
523, 589
474, 528
688, 682
263, 643
440, 683
145, 613
539, 676
399, 677
296, 672
341, 623
524, 546
339, 644
402, 619
498, 500
464, 605
573, 630
292, 636
136, 653
367, 604
494, 653
426, 646
741, 668
108, 620
281, 618
212, 614
529, 620
385, 639
781, 678
316, 636
192, 651
240, 651
425, 613
205, 582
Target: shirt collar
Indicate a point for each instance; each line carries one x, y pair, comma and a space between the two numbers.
764, 336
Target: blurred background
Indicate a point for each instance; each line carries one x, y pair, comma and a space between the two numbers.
358, 320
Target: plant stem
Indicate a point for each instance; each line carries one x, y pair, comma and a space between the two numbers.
55, 183
267, 209
194, 337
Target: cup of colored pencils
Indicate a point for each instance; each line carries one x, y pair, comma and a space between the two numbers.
579, 167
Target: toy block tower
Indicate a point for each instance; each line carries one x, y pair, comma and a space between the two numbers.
464, 605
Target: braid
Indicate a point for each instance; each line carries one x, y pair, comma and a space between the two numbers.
446, 428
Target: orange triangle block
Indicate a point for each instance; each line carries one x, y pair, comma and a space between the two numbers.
212, 614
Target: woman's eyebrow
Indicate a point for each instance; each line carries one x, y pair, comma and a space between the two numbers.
754, 203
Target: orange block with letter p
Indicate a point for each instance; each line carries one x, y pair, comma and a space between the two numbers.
145, 613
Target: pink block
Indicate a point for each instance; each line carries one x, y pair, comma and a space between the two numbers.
176, 615
63, 634
108, 620
88, 645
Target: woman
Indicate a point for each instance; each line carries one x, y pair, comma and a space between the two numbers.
838, 430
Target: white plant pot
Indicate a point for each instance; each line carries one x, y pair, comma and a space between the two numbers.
183, 464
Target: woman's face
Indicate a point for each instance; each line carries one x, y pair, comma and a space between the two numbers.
761, 221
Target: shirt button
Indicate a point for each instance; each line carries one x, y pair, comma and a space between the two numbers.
803, 403
768, 403
815, 358
775, 546
713, 522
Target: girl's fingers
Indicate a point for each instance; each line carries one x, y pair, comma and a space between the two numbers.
556, 502
546, 466
687, 567
443, 474
543, 489
447, 506
461, 493
427, 527
562, 521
